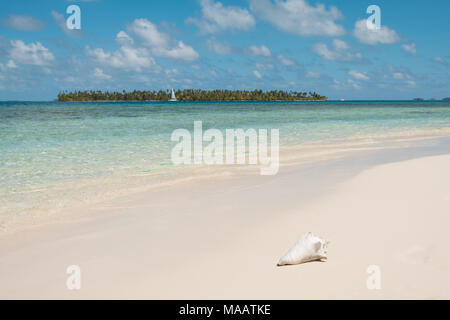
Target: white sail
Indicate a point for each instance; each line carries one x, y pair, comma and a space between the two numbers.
173, 98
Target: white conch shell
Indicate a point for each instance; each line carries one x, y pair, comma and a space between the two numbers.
308, 248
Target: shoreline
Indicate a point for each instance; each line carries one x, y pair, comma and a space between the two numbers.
328, 100
253, 101
86, 193
222, 239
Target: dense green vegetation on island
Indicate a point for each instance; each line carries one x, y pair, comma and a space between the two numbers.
431, 99
190, 95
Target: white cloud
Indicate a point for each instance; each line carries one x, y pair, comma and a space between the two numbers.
411, 83
353, 84
373, 36
398, 76
124, 39
219, 47
286, 61
265, 66
340, 52
160, 43
337, 84
410, 48
33, 53
259, 51
180, 51
312, 75
99, 74
216, 17
257, 74
126, 58
358, 75
147, 31
171, 71
23, 23
11, 64
441, 61
298, 17
401, 75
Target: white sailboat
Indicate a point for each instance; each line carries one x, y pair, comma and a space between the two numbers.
173, 98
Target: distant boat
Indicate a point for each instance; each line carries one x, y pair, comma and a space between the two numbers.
173, 98
341, 99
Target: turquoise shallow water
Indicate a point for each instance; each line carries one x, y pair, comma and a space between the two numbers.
50, 147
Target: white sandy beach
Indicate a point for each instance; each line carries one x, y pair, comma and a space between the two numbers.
222, 239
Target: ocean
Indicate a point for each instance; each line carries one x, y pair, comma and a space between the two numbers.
54, 155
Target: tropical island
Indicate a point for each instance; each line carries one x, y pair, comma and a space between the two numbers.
190, 95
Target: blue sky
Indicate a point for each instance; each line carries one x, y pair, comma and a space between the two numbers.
306, 45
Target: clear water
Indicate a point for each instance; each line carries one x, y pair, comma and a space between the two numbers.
52, 151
